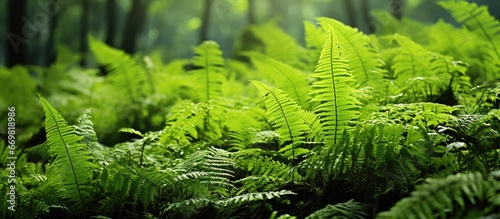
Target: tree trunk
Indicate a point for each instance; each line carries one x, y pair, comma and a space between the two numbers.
251, 12
84, 31
135, 21
365, 10
397, 8
351, 14
51, 46
205, 20
16, 40
111, 22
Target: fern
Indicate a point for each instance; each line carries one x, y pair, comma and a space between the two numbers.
315, 38
478, 20
364, 62
263, 173
277, 44
72, 164
292, 81
456, 196
284, 114
125, 73
337, 106
209, 77
347, 210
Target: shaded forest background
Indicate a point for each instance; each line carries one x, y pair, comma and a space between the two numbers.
32, 29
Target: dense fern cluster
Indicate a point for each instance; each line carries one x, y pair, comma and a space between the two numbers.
398, 124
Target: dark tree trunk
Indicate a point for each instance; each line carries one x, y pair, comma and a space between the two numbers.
351, 14
251, 12
111, 22
51, 46
365, 10
16, 40
135, 21
84, 31
397, 8
205, 20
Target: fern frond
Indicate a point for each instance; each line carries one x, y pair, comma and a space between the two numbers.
263, 173
337, 105
284, 114
478, 20
452, 197
278, 44
364, 63
315, 38
125, 73
411, 59
72, 165
251, 197
347, 210
292, 81
208, 59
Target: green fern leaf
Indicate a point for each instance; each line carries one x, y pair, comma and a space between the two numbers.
347, 210
364, 63
209, 77
478, 20
292, 81
456, 196
278, 44
72, 165
284, 114
125, 73
337, 105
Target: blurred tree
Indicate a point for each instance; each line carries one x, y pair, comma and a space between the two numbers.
134, 24
205, 20
51, 45
397, 8
84, 32
365, 11
351, 14
16, 39
251, 12
111, 22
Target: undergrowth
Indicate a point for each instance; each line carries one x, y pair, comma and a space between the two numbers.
397, 124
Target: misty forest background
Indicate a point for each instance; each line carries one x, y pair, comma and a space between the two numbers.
172, 27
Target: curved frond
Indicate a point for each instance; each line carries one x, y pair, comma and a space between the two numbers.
72, 165
291, 80
125, 73
284, 114
478, 20
456, 196
348, 210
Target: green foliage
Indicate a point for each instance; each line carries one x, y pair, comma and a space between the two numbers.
400, 123
364, 62
456, 196
285, 115
350, 209
71, 166
478, 20
292, 81
208, 58
337, 105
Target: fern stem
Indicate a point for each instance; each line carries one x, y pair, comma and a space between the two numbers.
334, 90
289, 130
